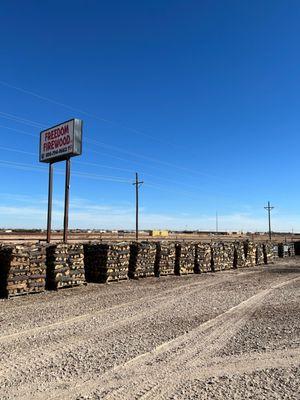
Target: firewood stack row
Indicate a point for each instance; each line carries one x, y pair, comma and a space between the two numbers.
165, 258
240, 255
142, 259
203, 257
185, 258
106, 262
22, 269
228, 255
65, 266
217, 256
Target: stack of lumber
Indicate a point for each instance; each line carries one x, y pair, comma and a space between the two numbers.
65, 266
142, 259
165, 258
240, 259
250, 253
259, 254
203, 255
217, 256
22, 269
185, 258
105, 262
229, 255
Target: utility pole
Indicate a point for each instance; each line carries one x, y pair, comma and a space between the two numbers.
217, 222
137, 184
269, 208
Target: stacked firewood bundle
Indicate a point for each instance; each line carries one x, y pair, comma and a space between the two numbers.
283, 250
185, 258
106, 262
229, 255
65, 266
217, 256
22, 269
268, 253
275, 250
165, 258
291, 250
250, 253
37, 268
259, 254
142, 259
203, 257
240, 259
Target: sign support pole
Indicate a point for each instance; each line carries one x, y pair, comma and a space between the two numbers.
50, 192
67, 199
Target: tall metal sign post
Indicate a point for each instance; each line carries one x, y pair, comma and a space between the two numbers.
60, 143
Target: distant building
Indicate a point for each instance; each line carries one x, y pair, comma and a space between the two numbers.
157, 233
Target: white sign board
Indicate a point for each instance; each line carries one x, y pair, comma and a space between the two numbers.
61, 141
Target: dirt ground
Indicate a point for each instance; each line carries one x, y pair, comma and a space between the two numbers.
229, 335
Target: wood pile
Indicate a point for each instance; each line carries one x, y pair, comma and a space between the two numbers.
22, 269
165, 258
217, 250
203, 255
105, 262
250, 253
240, 259
185, 258
268, 253
229, 255
259, 254
286, 250
291, 250
65, 266
142, 259
275, 250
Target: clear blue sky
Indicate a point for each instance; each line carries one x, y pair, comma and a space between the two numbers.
202, 98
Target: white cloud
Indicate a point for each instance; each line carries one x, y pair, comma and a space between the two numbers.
86, 214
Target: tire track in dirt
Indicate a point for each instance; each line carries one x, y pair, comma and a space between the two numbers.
217, 279
157, 373
54, 352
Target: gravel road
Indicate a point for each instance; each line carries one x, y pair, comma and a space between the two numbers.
233, 334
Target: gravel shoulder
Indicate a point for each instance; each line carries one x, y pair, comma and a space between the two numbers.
224, 335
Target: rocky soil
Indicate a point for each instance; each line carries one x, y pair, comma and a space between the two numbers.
233, 334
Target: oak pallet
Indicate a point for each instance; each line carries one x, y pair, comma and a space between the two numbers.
185, 258
250, 253
240, 255
22, 269
203, 258
229, 256
259, 258
142, 259
165, 258
105, 262
65, 266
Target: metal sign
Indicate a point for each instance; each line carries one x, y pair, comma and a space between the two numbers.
61, 141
